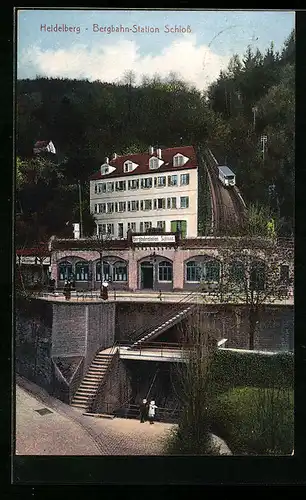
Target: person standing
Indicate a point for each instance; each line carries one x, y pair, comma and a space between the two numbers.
143, 411
151, 413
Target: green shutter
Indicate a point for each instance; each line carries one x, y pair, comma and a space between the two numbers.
184, 228
173, 226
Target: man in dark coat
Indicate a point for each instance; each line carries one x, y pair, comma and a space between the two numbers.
143, 409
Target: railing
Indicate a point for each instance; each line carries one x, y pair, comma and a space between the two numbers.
141, 332
162, 348
114, 355
161, 415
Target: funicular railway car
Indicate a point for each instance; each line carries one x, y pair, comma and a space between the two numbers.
226, 176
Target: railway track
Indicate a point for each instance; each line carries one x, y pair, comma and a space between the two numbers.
228, 205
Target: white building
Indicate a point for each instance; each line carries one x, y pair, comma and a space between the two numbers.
147, 190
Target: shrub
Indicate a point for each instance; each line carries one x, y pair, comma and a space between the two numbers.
255, 420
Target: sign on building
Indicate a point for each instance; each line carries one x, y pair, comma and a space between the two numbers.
34, 260
154, 238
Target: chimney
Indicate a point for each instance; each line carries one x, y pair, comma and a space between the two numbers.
151, 150
107, 159
115, 156
76, 231
158, 153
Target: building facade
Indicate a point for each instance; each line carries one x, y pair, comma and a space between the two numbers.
157, 262
157, 189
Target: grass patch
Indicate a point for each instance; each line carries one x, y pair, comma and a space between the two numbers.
255, 420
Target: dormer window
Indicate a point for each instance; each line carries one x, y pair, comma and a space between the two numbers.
155, 163
179, 160
106, 169
129, 166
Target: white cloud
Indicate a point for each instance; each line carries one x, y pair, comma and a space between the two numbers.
197, 64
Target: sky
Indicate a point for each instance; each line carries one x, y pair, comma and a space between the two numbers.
89, 47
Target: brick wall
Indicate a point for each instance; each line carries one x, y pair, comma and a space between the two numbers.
82, 329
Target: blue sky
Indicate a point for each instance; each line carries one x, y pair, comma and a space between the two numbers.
197, 55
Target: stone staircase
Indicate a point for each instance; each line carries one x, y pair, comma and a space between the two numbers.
90, 384
151, 334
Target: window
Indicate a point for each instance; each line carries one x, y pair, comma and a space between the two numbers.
184, 179
81, 271
161, 224
120, 185
110, 228
101, 229
109, 187
165, 271
284, 274
236, 272
146, 204
103, 187
132, 226
120, 271
110, 207
160, 203
172, 180
193, 271
147, 225
64, 271
178, 161
120, 230
146, 183
141, 227
211, 270
96, 188
95, 208
184, 201
128, 166
104, 170
153, 163
106, 271
179, 225
171, 202
133, 184
133, 206
160, 181
121, 206
99, 188
102, 208
257, 276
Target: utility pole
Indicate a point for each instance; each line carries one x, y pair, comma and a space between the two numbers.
80, 208
263, 140
254, 109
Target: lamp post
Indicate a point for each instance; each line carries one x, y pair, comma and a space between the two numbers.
101, 239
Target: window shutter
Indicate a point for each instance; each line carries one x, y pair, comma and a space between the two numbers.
173, 225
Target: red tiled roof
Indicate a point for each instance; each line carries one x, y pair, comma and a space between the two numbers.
143, 161
42, 250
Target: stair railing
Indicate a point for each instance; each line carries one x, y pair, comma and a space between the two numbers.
140, 332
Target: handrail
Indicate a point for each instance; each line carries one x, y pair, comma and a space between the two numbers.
140, 331
111, 353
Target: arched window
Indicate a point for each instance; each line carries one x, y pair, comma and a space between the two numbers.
64, 271
236, 272
81, 271
258, 276
120, 271
211, 270
106, 271
193, 271
165, 271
